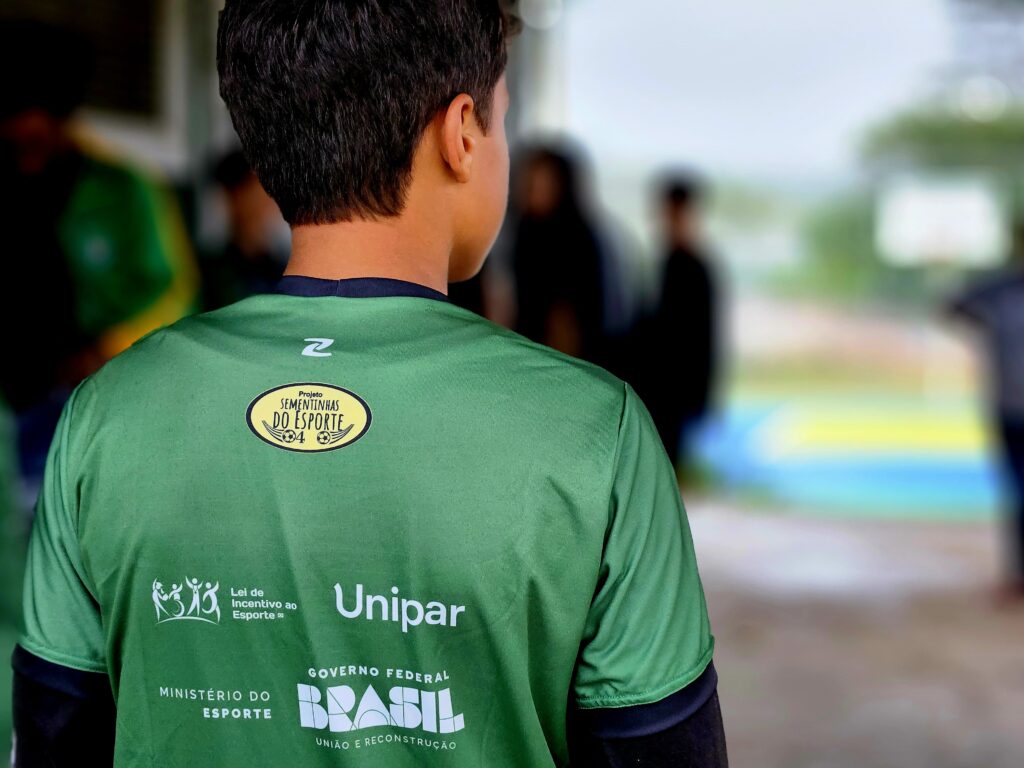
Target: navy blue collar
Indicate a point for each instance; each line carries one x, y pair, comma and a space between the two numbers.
357, 287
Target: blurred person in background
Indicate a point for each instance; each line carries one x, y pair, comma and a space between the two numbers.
258, 242
96, 251
556, 257
995, 306
489, 293
677, 339
471, 294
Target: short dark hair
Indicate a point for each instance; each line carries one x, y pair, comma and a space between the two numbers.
682, 188
232, 170
330, 97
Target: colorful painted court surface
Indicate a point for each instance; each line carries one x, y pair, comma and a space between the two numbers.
863, 455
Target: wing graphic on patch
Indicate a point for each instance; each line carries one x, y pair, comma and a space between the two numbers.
336, 436
278, 433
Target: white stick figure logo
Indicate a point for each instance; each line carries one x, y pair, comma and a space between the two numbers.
202, 607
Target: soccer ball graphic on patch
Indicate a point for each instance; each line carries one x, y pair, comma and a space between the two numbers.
323, 437
289, 436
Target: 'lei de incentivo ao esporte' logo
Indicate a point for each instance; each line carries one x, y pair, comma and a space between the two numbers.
202, 604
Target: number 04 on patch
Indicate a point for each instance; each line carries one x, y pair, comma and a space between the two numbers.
308, 418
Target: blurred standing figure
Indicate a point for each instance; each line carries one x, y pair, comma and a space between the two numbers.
996, 307
680, 334
258, 242
557, 259
96, 255
489, 293
470, 294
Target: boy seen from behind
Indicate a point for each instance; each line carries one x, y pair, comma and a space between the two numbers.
348, 522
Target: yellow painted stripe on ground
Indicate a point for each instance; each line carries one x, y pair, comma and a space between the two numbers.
798, 432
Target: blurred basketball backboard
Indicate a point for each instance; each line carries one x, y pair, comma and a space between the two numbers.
956, 219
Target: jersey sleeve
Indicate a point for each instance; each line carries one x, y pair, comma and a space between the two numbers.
647, 634
61, 617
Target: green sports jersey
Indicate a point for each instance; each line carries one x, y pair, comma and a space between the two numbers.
351, 523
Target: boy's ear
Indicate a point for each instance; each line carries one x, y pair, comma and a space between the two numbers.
458, 136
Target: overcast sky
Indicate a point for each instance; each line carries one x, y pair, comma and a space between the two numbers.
757, 88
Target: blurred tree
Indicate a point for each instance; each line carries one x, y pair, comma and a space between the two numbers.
842, 262
945, 138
